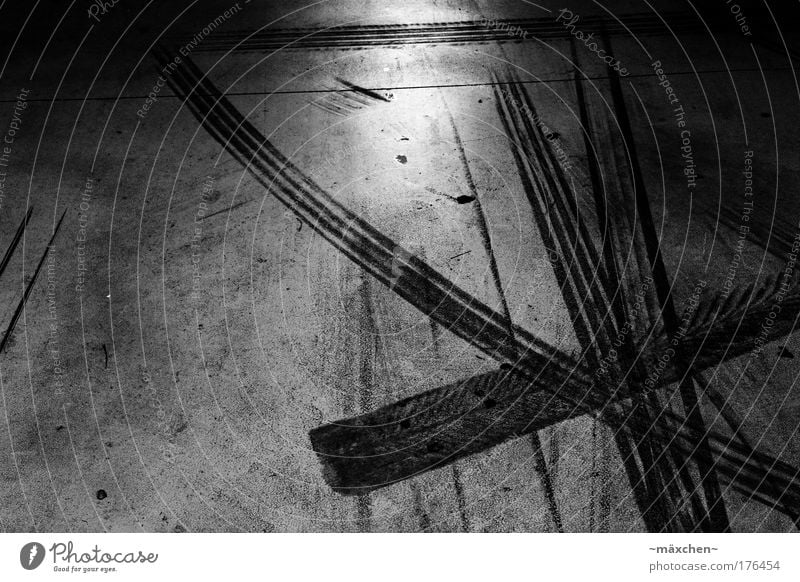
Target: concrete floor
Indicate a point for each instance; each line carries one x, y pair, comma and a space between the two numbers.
192, 413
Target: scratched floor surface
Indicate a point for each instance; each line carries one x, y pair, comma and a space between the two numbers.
193, 321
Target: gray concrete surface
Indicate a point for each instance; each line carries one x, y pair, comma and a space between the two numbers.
193, 413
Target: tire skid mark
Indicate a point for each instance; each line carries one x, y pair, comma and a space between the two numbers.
600, 515
343, 102
362, 36
364, 512
775, 236
728, 414
419, 509
547, 481
363, 91
368, 354
29, 287
658, 476
648, 490
567, 284
427, 290
418, 283
15, 241
540, 468
716, 518
460, 498
555, 224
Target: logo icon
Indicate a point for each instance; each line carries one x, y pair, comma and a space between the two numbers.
31, 555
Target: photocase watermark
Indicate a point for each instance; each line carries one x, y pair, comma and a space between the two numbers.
94, 560
686, 320
612, 356
687, 152
739, 17
569, 20
787, 283
168, 449
197, 235
8, 139
511, 31
744, 228
100, 7
31, 555
82, 236
161, 81
53, 345
185, 51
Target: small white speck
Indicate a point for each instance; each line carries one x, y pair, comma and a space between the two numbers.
385, 69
